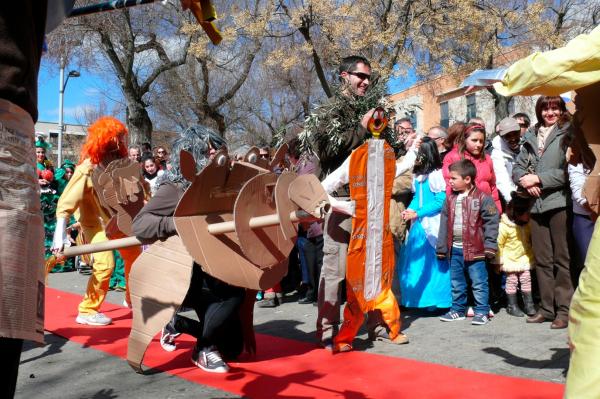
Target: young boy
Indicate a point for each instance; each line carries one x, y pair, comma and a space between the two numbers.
468, 235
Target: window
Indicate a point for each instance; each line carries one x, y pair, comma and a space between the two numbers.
444, 115
413, 119
511, 105
471, 106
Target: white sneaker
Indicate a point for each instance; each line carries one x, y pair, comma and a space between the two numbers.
96, 319
126, 304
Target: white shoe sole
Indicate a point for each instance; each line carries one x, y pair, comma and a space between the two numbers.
81, 320
220, 370
457, 319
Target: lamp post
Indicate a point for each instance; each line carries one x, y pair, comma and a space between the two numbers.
61, 93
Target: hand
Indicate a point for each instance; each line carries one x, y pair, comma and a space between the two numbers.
529, 181
75, 226
535, 191
365, 119
409, 214
43, 182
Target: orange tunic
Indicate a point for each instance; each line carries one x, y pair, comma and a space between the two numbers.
370, 262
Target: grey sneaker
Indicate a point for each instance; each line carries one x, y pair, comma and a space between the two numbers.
480, 319
96, 319
209, 359
452, 316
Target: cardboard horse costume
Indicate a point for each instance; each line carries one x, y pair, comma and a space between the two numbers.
237, 223
573, 67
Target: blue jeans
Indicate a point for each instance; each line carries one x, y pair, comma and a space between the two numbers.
479, 283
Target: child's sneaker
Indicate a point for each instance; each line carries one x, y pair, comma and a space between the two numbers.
490, 314
480, 319
452, 316
470, 312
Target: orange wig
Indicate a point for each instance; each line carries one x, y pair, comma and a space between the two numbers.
103, 139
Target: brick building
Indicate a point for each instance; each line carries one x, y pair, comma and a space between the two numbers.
440, 101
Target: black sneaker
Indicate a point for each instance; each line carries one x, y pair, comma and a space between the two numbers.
209, 359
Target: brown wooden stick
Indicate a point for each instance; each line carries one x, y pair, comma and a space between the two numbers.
101, 246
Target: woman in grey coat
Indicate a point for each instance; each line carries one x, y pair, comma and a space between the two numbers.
540, 172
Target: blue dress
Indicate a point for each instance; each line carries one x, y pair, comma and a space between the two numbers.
425, 280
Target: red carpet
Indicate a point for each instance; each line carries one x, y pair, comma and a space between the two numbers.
287, 368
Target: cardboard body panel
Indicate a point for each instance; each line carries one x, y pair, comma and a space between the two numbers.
158, 283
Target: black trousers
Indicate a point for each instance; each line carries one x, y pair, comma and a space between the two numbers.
11, 355
313, 253
217, 306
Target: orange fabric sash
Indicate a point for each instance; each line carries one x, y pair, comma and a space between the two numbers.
370, 271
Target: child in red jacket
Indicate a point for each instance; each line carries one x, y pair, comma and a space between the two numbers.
470, 145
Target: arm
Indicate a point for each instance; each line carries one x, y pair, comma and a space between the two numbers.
407, 163
442, 241
504, 182
489, 214
577, 178
433, 207
155, 220
67, 204
337, 178
553, 178
520, 167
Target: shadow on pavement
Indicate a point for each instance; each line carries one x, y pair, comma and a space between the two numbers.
558, 360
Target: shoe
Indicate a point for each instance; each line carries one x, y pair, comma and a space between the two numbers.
513, 306
400, 339
305, 301
559, 324
470, 312
209, 359
268, 303
379, 334
120, 288
491, 314
167, 340
339, 348
537, 318
259, 296
96, 319
452, 316
528, 306
126, 304
84, 269
480, 319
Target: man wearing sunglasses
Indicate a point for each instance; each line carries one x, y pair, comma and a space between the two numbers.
355, 76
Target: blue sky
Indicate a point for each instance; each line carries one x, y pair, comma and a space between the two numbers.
90, 90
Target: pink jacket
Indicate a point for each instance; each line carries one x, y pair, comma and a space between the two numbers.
485, 179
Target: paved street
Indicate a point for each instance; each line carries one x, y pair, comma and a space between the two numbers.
506, 346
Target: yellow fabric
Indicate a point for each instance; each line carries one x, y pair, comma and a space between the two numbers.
103, 266
584, 328
555, 72
79, 195
514, 246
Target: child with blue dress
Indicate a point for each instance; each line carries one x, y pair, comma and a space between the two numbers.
425, 279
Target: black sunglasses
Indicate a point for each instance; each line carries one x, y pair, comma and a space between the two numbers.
360, 75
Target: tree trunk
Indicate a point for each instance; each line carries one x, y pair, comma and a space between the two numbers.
139, 124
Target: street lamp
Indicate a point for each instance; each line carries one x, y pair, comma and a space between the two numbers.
61, 93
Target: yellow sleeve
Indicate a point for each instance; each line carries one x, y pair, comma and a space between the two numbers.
557, 71
73, 193
502, 233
